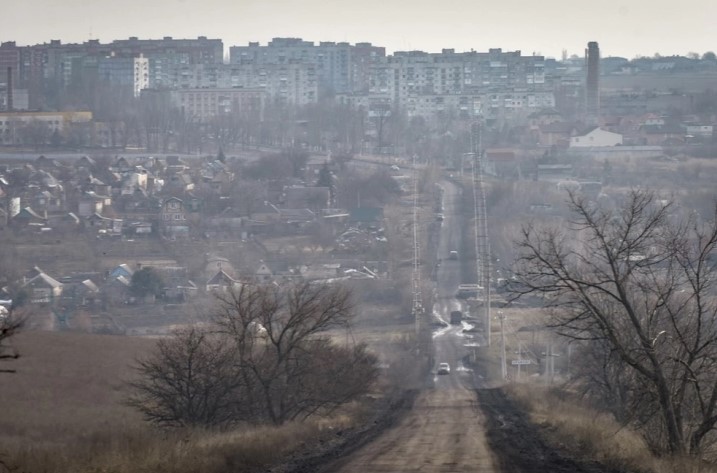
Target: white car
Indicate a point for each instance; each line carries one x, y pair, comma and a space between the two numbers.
444, 368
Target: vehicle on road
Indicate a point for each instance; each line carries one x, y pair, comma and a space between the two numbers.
456, 317
453, 254
439, 217
444, 368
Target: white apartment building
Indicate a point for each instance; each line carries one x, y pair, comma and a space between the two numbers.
341, 68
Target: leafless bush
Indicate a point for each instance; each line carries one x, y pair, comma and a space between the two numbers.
266, 358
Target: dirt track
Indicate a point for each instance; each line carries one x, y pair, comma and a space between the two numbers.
442, 433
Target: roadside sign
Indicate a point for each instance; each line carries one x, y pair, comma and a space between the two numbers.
520, 362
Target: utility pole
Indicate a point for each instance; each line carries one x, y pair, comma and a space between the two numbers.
417, 309
503, 365
481, 225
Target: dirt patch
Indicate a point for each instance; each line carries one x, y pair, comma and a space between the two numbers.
518, 444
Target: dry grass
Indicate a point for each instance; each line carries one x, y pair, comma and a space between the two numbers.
592, 434
62, 413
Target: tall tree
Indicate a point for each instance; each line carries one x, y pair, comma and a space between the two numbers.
147, 282
189, 380
637, 285
283, 353
266, 358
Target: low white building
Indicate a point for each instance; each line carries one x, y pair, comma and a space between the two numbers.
596, 137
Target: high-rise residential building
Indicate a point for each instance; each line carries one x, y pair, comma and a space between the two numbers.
592, 81
54, 65
9, 59
197, 51
131, 72
340, 67
471, 82
205, 103
290, 83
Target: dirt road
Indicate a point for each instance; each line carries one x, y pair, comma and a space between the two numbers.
444, 432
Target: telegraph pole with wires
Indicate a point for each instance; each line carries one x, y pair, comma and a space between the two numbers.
482, 245
418, 311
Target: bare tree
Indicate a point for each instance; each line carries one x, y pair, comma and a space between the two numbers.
637, 285
10, 324
267, 358
284, 354
189, 380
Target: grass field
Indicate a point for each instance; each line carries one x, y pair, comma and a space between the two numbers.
62, 412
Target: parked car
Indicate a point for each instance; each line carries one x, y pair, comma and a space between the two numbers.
444, 368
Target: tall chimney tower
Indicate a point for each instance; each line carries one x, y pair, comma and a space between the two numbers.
9, 89
592, 81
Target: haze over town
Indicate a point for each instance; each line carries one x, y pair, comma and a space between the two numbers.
623, 28
358, 237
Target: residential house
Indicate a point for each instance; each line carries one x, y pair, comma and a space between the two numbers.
80, 293
121, 165
221, 282
596, 137
217, 176
173, 218
28, 218
90, 203
121, 270
177, 285
92, 184
179, 183
116, 290
657, 135
263, 273
701, 130
543, 117
64, 221
502, 163
86, 162
133, 181
43, 289
104, 225
555, 134
229, 219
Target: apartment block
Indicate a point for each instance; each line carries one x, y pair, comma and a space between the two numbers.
203, 104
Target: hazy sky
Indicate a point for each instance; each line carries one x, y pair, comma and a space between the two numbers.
622, 27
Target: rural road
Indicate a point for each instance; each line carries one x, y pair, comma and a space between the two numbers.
445, 430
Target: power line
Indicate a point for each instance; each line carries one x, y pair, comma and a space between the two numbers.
482, 243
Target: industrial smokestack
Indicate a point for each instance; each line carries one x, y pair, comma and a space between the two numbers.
592, 82
9, 89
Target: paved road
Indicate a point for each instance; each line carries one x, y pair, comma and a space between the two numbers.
445, 430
